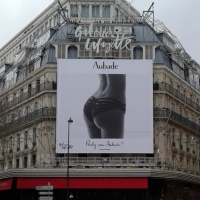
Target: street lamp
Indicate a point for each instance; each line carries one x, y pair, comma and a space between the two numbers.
69, 121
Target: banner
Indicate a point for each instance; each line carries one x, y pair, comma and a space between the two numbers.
110, 103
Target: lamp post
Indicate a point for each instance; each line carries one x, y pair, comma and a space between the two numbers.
69, 121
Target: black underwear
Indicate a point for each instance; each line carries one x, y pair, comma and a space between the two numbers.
94, 107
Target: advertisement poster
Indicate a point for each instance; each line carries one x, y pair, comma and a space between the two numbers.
110, 103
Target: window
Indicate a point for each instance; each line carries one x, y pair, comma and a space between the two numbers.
10, 165
14, 96
187, 164
29, 90
192, 117
74, 10
61, 51
186, 73
181, 111
50, 23
85, 11
187, 142
181, 162
148, 52
106, 12
199, 148
95, 11
12, 116
46, 25
34, 161
19, 113
173, 137
125, 53
72, 52
34, 136
27, 110
55, 20
17, 163
138, 53
30, 68
35, 106
173, 162
116, 14
21, 94
2, 147
18, 142
25, 162
186, 114
38, 85
25, 140
180, 141
194, 163
10, 145
173, 106
2, 166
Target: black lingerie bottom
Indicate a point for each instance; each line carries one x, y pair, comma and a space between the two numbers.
94, 107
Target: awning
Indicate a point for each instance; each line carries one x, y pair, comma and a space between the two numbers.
5, 184
84, 183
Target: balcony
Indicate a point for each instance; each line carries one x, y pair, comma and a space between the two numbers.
167, 113
168, 88
47, 112
24, 96
104, 162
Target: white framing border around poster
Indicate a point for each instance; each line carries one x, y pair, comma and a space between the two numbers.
77, 82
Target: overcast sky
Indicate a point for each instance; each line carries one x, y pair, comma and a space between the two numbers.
181, 17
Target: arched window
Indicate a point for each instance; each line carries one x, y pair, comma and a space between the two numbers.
72, 52
138, 53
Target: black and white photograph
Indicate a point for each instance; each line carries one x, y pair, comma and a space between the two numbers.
105, 102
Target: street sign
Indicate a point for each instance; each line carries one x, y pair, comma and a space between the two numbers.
48, 187
45, 193
45, 198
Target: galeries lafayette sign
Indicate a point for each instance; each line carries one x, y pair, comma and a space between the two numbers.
117, 42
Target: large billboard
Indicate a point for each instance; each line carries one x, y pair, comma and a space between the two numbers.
110, 103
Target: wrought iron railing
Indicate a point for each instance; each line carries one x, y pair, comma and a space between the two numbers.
33, 116
168, 88
120, 162
85, 162
27, 95
167, 113
112, 162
